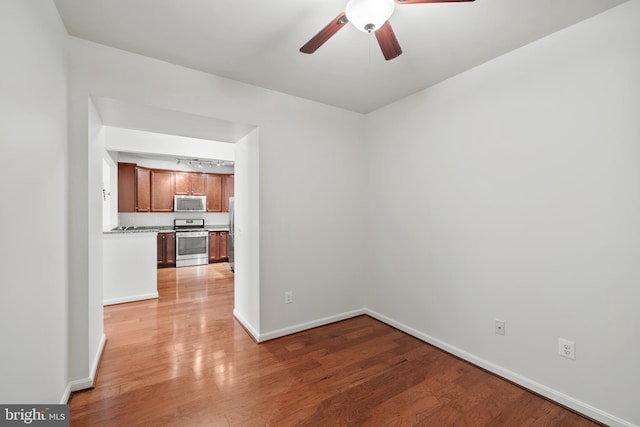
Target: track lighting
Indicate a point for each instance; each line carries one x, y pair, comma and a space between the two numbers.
200, 162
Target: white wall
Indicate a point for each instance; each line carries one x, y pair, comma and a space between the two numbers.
310, 164
33, 260
95, 322
512, 192
246, 224
130, 264
165, 219
110, 186
143, 142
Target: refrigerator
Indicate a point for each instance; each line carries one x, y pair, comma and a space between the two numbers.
231, 234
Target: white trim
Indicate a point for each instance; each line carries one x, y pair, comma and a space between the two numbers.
81, 384
554, 395
85, 383
130, 298
308, 325
246, 325
97, 358
65, 396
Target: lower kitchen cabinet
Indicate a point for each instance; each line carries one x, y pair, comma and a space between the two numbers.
166, 250
218, 241
224, 246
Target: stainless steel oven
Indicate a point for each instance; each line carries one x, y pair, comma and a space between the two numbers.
192, 242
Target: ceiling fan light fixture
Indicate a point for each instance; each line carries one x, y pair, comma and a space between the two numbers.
369, 15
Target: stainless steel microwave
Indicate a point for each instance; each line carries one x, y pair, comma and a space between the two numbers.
189, 203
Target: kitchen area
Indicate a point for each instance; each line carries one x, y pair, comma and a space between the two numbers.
163, 211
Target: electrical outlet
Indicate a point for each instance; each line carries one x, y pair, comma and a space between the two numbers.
500, 327
288, 297
567, 348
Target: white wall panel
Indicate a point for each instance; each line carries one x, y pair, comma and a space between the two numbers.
33, 182
513, 193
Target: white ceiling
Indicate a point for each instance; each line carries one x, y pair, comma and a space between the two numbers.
257, 41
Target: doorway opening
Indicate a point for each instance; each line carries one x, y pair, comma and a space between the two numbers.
241, 152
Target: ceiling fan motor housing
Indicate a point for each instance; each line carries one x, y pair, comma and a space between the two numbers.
369, 15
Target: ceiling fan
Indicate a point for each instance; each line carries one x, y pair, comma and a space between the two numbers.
368, 16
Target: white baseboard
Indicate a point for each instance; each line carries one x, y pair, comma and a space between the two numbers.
85, 383
97, 358
130, 298
248, 327
554, 395
65, 395
308, 325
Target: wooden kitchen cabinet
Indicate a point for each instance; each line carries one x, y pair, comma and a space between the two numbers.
134, 187
224, 246
182, 182
126, 187
214, 192
143, 189
218, 241
190, 184
166, 250
227, 190
214, 246
198, 184
162, 188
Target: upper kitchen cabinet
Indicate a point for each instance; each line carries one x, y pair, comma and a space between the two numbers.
162, 187
227, 191
143, 189
214, 192
126, 187
133, 188
191, 184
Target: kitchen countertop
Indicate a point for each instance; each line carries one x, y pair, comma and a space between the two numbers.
217, 227
161, 229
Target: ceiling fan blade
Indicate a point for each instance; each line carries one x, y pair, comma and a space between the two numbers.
324, 34
426, 1
388, 42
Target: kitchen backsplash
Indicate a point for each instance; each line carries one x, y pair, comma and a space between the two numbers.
161, 218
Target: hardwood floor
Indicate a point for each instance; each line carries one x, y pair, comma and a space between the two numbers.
182, 360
